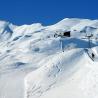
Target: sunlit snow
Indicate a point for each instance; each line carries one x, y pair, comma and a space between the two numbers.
39, 61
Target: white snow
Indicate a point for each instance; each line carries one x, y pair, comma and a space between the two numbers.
34, 63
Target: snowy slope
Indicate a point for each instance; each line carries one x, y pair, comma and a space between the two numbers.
38, 62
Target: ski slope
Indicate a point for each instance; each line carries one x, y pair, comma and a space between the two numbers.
36, 61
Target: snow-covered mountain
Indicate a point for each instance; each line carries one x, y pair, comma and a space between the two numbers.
56, 61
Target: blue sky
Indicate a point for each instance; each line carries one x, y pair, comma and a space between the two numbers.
46, 11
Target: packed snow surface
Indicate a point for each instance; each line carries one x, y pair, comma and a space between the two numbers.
39, 61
